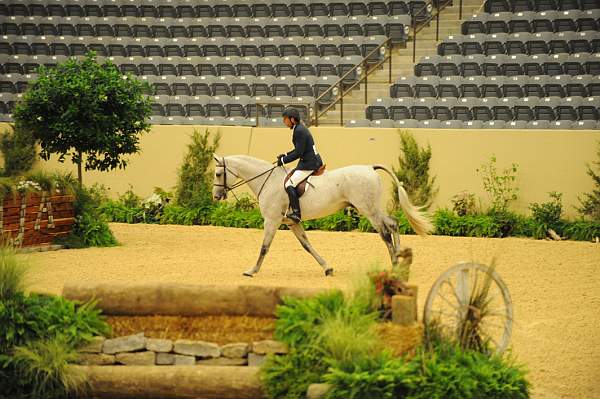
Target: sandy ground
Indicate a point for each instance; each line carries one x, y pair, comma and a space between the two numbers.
555, 286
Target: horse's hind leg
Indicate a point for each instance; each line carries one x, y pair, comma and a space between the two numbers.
381, 225
301, 236
406, 254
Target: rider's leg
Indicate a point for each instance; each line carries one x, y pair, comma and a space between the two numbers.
290, 187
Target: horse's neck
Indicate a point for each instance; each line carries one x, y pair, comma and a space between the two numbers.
249, 168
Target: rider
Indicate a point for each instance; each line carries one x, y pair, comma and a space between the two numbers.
310, 160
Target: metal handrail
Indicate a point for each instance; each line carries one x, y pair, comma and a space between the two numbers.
439, 5
339, 84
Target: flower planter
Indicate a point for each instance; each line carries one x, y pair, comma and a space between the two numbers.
33, 219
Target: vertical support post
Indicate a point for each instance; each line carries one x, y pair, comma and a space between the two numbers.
390, 47
257, 104
365, 65
341, 89
414, 26
437, 20
316, 114
460, 10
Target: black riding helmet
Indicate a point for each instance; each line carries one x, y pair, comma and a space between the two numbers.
291, 113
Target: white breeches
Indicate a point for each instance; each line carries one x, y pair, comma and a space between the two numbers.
297, 177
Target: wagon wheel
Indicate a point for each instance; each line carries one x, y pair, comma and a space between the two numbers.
455, 301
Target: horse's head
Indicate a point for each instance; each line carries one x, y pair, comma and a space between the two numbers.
223, 178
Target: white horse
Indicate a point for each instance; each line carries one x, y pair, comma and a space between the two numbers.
358, 186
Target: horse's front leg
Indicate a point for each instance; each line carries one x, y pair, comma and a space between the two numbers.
270, 230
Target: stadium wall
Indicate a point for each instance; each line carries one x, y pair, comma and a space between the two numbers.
551, 160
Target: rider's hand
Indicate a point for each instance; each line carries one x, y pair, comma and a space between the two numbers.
280, 159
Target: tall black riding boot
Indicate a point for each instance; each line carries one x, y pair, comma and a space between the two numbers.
294, 204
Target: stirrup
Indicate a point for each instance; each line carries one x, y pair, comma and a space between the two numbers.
294, 216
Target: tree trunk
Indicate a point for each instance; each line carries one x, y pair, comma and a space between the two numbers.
79, 175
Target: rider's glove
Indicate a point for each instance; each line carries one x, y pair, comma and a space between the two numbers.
280, 159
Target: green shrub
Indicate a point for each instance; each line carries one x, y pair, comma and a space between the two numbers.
289, 376
18, 150
37, 337
448, 223
375, 377
463, 204
43, 370
413, 172
26, 318
90, 229
448, 372
297, 319
343, 220
582, 230
194, 187
12, 273
590, 204
332, 339
500, 185
116, 211
228, 215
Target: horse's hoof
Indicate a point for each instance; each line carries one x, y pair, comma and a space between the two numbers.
248, 274
329, 272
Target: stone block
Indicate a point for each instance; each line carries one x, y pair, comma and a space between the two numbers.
197, 348
159, 345
233, 351
129, 343
165, 359
94, 346
146, 358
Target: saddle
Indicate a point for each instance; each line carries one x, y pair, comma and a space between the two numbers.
301, 187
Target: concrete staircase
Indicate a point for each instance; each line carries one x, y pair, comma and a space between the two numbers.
402, 63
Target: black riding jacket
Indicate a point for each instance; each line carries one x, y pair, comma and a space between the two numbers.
304, 148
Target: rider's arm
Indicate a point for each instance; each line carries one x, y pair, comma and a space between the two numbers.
300, 139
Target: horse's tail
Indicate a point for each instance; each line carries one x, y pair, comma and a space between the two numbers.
417, 219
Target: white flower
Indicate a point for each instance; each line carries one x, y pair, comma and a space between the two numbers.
153, 200
25, 185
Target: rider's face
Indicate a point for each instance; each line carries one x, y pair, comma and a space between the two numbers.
288, 122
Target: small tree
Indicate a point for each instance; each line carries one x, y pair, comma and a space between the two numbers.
590, 204
194, 188
18, 149
500, 185
413, 172
82, 108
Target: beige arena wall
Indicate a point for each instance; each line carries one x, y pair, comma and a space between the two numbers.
550, 160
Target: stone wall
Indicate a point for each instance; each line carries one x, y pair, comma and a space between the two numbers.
138, 350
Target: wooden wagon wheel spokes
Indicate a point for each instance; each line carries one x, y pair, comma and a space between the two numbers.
454, 302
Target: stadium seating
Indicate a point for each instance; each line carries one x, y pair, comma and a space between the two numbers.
204, 59
521, 64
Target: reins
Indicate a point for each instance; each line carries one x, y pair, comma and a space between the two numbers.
242, 181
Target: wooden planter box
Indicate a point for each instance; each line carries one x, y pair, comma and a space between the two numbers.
36, 219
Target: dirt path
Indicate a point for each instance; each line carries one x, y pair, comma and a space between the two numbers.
555, 286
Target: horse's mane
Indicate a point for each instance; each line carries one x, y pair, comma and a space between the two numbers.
250, 159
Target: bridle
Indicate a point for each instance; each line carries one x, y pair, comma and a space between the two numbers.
240, 183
